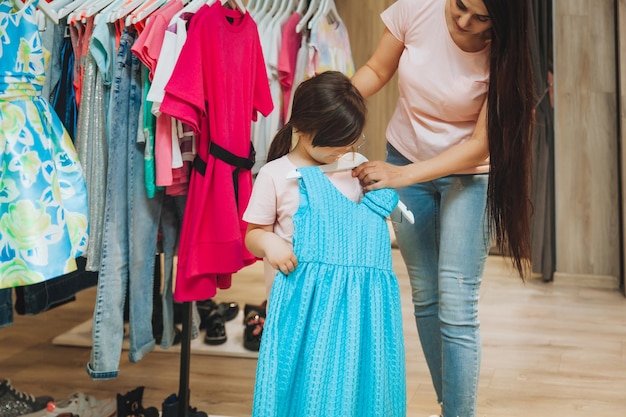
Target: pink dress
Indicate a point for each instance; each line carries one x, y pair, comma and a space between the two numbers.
217, 87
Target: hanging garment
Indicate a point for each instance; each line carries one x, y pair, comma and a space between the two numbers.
43, 197
217, 87
332, 343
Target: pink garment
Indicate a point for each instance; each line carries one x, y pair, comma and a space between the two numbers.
217, 87
442, 88
148, 45
287, 61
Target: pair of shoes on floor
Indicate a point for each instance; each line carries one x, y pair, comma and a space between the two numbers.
130, 405
254, 321
170, 408
79, 404
15, 403
228, 310
213, 318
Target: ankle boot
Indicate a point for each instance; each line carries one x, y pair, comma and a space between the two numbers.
129, 405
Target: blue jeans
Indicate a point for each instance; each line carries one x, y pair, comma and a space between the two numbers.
130, 228
445, 252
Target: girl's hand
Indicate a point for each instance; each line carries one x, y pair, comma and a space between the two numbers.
378, 174
280, 255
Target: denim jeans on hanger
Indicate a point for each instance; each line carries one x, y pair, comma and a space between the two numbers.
171, 221
445, 252
130, 229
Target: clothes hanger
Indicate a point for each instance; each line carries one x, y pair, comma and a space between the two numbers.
286, 10
328, 9
47, 10
143, 11
80, 12
124, 11
352, 160
236, 4
310, 11
102, 9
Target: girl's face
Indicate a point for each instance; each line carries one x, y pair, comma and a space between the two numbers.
470, 17
326, 154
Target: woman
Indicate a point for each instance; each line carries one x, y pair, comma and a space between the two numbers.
458, 154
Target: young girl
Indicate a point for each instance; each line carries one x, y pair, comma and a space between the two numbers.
332, 342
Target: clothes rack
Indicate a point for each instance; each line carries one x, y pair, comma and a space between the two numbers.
185, 359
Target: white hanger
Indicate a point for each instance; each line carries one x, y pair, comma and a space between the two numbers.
48, 11
57, 4
327, 9
144, 11
348, 161
70, 7
314, 5
286, 10
236, 4
102, 9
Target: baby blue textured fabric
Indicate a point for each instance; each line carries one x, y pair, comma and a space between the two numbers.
333, 343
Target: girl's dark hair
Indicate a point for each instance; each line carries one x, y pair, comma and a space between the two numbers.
326, 105
509, 128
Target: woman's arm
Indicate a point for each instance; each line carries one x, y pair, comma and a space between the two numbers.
378, 174
381, 66
264, 243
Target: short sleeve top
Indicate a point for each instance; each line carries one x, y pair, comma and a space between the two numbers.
441, 87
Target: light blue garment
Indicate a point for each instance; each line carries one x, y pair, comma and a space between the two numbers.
130, 228
332, 343
43, 196
445, 252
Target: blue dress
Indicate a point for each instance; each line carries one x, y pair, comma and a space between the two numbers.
332, 343
43, 196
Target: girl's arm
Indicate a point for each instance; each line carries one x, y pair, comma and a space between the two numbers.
378, 174
264, 243
379, 69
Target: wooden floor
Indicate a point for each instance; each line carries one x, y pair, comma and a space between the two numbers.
553, 350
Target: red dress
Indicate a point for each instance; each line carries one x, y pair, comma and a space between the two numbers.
218, 85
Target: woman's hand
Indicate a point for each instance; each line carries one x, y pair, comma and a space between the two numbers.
374, 175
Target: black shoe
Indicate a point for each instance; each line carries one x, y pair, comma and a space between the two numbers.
170, 408
14, 403
129, 405
260, 309
253, 331
215, 328
228, 310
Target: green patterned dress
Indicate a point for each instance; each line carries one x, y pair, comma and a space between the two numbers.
43, 196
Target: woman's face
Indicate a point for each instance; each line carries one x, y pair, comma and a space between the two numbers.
470, 17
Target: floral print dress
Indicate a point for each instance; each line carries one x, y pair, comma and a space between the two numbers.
43, 196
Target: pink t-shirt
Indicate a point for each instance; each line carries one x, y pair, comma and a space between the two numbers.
217, 87
147, 47
441, 87
275, 198
287, 60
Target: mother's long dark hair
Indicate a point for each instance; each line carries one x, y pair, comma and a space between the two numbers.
509, 126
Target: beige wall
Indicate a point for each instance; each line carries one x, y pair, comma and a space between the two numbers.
587, 217
362, 19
